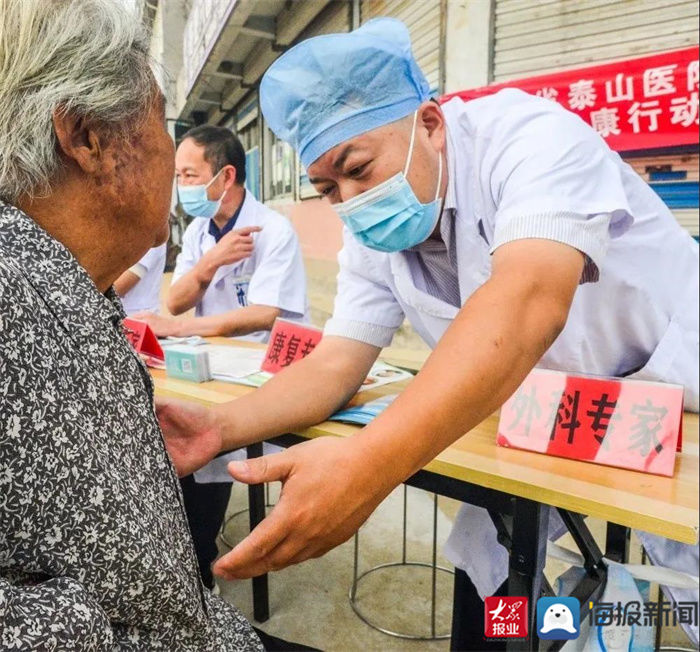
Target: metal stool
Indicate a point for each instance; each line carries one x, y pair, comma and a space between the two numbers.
433, 635
224, 525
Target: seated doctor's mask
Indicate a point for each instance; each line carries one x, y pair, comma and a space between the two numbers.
195, 200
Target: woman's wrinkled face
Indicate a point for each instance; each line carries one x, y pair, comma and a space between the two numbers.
365, 161
146, 178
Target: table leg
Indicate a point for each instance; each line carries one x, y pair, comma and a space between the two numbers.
617, 543
256, 511
527, 559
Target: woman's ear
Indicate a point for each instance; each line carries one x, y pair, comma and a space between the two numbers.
78, 141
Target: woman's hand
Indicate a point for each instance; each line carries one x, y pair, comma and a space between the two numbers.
192, 433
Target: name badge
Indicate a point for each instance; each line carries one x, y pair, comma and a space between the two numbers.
240, 288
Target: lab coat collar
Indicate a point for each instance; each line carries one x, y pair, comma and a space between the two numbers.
217, 233
450, 202
409, 294
247, 213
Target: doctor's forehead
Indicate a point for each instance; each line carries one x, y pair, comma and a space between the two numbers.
190, 155
382, 140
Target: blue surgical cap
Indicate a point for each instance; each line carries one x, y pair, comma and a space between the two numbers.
331, 88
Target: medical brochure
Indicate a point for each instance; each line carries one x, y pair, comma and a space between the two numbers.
243, 365
233, 363
383, 373
380, 374
363, 414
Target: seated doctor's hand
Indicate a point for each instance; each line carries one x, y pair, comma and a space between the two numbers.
161, 325
329, 488
192, 433
236, 245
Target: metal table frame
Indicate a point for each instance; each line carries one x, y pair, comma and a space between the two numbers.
522, 527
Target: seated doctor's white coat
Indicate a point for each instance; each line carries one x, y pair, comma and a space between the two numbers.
524, 167
273, 276
145, 295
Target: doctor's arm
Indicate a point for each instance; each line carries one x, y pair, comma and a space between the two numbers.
233, 323
127, 281
186, 292
331, 486
298, 397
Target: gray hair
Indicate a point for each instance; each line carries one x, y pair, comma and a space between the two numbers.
88, 57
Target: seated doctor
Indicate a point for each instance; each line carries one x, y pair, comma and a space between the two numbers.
240, 265
510, 236
240, 268
139, 286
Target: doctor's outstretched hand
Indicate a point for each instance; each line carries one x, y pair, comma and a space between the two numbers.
329, 489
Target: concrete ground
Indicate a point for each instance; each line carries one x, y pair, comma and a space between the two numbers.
309, 602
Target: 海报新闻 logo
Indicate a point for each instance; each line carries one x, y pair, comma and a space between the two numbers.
558, 619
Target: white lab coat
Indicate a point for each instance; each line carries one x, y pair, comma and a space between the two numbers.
145, 295
519, 167
273, 276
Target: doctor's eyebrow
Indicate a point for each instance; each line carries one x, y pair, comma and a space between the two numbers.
338, 163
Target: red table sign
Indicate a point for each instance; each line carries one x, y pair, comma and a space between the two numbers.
631, 424
289, 342
141, 337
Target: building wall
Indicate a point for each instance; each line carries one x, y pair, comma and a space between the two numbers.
166, 50
318, 226
532, 37
468, 44
462, 44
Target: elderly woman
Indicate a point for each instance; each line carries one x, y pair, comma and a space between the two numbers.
95, 553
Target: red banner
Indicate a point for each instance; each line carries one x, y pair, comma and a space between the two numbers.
643, 103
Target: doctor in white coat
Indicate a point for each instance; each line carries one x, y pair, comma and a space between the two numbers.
139, 286
240, 268
509, 235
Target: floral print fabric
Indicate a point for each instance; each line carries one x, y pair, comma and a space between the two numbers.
95, 553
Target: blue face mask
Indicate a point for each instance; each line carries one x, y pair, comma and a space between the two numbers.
195, 202
389, 217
